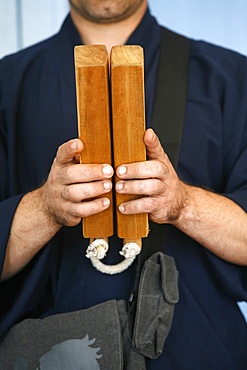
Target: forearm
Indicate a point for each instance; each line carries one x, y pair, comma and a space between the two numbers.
31, 230
216, 222
70, 193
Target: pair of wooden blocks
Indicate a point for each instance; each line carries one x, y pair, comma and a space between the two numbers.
111, 123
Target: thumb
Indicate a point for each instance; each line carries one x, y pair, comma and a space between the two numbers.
154, 147
68, 151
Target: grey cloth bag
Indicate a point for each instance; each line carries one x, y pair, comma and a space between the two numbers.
157, 294
89, 339
98, 337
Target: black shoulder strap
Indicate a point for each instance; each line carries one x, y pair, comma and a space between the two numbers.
171, 92
168, 116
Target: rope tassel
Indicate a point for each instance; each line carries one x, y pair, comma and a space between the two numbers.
98, 248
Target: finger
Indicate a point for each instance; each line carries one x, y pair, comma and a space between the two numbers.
72, 213
142, 170
154, 147
81, 192
68, 151
141, 187
83, 173
88, 208
137, 206
149, 205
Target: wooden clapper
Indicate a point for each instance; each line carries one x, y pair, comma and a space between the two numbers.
111, 125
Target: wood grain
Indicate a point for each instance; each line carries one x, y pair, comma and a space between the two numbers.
128, 126
92, 90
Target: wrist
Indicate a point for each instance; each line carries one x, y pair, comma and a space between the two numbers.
180, 206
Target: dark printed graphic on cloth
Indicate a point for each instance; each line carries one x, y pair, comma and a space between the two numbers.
73, 354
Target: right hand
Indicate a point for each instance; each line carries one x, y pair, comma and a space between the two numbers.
72, 190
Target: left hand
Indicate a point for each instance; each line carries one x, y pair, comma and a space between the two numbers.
163, 193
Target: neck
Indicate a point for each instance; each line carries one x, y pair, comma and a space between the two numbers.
110, 34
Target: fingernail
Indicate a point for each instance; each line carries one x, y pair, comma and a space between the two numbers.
122, 170
119, 186
121, 208
106, 202
107, 170
107, 185
74, 145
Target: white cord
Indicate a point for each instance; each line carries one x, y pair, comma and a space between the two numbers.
112, 269
130, 250
97, 251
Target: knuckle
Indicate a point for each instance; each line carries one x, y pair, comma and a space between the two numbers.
135, 206
163, 168
140, 187
160, 167
88, 172
144, 168
160, 187
65, 193
85, 209
153, 204
77, 211
67, 172
87, 193
69, 193
83, 172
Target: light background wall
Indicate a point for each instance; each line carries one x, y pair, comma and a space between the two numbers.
24, 22
223, 22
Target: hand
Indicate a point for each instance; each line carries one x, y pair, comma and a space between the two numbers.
70, 191
163, 194
213, 220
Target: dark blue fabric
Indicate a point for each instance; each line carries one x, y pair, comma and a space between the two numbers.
38, 113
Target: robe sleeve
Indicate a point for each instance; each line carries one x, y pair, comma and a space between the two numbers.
23, 293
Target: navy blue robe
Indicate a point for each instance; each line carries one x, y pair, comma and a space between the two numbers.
38, 113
